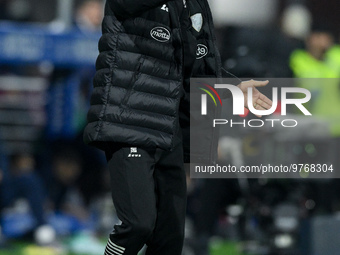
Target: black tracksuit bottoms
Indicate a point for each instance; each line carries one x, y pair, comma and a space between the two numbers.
149, 194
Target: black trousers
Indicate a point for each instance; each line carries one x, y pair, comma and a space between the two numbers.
149, 194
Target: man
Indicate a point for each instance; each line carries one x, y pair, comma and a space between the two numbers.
139, 108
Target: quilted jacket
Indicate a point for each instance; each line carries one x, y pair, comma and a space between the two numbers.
139, 83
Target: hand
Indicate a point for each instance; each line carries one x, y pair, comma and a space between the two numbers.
260, 101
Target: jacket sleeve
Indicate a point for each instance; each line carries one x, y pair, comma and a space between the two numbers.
132, 8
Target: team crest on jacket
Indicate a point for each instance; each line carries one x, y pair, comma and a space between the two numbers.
201, 51
197, 21
160, 34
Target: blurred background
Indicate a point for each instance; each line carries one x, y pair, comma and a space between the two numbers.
54, 190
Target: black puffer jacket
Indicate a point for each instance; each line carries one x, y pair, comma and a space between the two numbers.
139, 82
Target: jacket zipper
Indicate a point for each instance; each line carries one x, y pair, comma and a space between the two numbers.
182, 63
214, 144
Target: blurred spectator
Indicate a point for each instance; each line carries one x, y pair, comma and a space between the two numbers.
320, 59
311, 62
23, 182
89, 15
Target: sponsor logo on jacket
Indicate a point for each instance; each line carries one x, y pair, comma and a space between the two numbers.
201, 51
160, 34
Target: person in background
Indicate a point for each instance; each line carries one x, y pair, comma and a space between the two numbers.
24, 182
89, 15
318, 67
320, 59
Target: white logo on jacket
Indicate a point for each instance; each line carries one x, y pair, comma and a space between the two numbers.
201, 51
165, 8
160, 34
134, 153
197, 21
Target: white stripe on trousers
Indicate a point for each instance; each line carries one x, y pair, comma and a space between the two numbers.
113, 249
